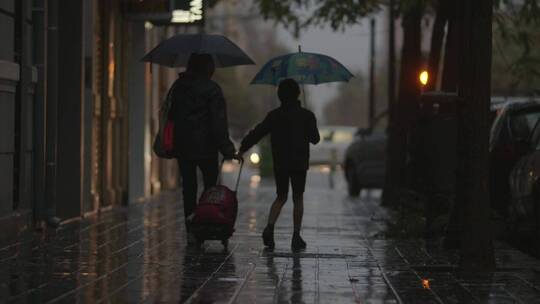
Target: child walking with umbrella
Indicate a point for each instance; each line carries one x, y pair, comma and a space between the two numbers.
292, 128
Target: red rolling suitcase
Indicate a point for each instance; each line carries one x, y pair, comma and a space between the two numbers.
215, 215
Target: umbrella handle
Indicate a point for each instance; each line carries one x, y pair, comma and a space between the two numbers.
304, 96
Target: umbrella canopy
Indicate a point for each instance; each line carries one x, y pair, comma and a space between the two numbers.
306, 68
175, 51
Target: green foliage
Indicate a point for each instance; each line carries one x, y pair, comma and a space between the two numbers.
408, 217
516, 35
526, 11
516, 47
298, 14
405, 224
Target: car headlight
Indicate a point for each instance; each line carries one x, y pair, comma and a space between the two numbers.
254, 158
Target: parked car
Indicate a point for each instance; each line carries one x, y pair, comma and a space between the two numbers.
364, 164
334, 140
524, 212
509, 142
512, 121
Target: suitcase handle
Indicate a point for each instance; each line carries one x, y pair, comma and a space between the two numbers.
239, 173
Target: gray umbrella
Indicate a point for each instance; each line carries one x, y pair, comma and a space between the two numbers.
175, 51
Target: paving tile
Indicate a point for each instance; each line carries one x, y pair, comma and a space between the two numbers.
139, 254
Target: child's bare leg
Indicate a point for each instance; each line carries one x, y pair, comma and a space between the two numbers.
298, 212
297, 242
275, 210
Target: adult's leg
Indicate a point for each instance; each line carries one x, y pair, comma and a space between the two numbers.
209, 168
188, 172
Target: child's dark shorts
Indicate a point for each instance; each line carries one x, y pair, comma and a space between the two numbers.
296, 178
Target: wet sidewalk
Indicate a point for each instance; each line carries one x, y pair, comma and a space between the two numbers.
139, 254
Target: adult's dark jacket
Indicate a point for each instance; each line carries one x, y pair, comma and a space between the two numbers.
199, 113
291, 129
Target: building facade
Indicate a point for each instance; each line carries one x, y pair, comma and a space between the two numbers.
18, 79
77, 110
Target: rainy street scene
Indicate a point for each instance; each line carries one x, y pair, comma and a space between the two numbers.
270, 151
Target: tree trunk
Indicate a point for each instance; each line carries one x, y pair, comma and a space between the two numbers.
449, 84
404, 110
475, 20
424, 145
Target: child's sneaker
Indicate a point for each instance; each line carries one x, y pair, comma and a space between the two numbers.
297, 242
268, 237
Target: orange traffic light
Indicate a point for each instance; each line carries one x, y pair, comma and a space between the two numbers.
424, 77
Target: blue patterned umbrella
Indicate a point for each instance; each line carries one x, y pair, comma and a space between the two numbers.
305, 68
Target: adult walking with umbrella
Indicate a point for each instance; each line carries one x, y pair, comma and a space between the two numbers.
195, 109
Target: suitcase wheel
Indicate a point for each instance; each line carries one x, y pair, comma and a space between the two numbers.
225, 243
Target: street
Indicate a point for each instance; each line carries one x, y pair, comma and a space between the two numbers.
420, 121
139, 254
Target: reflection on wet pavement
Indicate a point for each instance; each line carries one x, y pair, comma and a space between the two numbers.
139, 254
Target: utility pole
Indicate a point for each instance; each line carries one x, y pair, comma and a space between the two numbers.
372, 75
